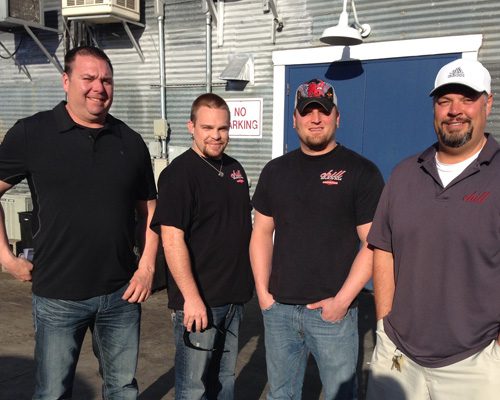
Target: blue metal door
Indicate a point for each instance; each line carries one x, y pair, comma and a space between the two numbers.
385, 108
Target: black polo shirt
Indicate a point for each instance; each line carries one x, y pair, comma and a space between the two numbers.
85, 184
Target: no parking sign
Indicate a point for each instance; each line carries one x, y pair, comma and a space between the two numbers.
246, 118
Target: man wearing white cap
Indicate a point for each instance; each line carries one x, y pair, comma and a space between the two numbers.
436, 235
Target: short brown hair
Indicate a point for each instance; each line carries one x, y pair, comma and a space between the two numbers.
209, 100
96, 52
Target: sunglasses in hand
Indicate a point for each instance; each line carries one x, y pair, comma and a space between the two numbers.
191, 345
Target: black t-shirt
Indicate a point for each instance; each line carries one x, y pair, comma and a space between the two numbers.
316, 203
214, 213
84, 190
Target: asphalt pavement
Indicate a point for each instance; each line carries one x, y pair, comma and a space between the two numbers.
155, 372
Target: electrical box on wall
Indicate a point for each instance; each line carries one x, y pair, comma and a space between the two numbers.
14, 203
102, 11
29, 11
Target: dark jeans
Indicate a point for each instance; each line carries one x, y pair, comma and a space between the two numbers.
194, 369
60, 327
294, 331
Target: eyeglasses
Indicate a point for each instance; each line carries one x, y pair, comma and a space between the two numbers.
188, 343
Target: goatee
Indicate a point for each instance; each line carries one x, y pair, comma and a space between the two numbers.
454, 141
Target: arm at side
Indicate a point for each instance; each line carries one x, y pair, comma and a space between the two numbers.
141, 282
19, 268
179, 264
261, 254
383, 281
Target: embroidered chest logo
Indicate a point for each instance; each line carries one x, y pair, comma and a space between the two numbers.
237, 176
475, 197
331, 177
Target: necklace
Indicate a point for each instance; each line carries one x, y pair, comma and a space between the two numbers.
219, 171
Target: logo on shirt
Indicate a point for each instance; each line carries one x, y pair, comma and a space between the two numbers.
237, 176
475, 197
331, 177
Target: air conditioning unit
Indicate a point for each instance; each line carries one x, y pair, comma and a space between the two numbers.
13, 204
29, 11
101, 11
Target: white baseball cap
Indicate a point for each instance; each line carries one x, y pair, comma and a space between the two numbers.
470, 73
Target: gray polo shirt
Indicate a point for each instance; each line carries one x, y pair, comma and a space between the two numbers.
446, 247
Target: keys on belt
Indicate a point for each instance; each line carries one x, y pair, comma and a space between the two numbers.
397, 360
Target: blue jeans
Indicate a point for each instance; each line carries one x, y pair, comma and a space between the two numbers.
208, 374
291, 333
60, 327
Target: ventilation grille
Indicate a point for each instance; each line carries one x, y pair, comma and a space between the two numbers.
127, 9
128, 4
26, 10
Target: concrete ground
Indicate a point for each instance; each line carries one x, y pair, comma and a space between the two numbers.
155, 372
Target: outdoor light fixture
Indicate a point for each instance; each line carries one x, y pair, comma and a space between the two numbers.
344, 35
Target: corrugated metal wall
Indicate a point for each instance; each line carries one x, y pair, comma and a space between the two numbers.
247, 29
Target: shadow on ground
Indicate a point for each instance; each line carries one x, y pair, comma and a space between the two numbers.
155, 372
17, 380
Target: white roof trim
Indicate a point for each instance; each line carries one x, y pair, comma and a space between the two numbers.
380, 50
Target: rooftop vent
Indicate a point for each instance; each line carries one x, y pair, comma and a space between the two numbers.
22, 10
101, 11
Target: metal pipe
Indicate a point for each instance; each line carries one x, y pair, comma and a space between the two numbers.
163, 89
364, 29
132, 39
161, 44
159, 8
44, 50
209, 52
344, 9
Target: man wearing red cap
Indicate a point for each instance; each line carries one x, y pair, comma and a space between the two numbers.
436, 235
318, 201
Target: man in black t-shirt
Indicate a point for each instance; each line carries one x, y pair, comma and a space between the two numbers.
203, 214
318, 201
89, 174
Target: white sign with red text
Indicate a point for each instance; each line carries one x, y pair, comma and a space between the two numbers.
246, 118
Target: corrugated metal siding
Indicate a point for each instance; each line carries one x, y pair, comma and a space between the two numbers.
137, 100
186, 63
246, 30
20, 96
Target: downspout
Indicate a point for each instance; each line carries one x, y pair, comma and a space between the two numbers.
208, 17
163, 89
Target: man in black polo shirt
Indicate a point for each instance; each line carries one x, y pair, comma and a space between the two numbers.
89, 174
436, 235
